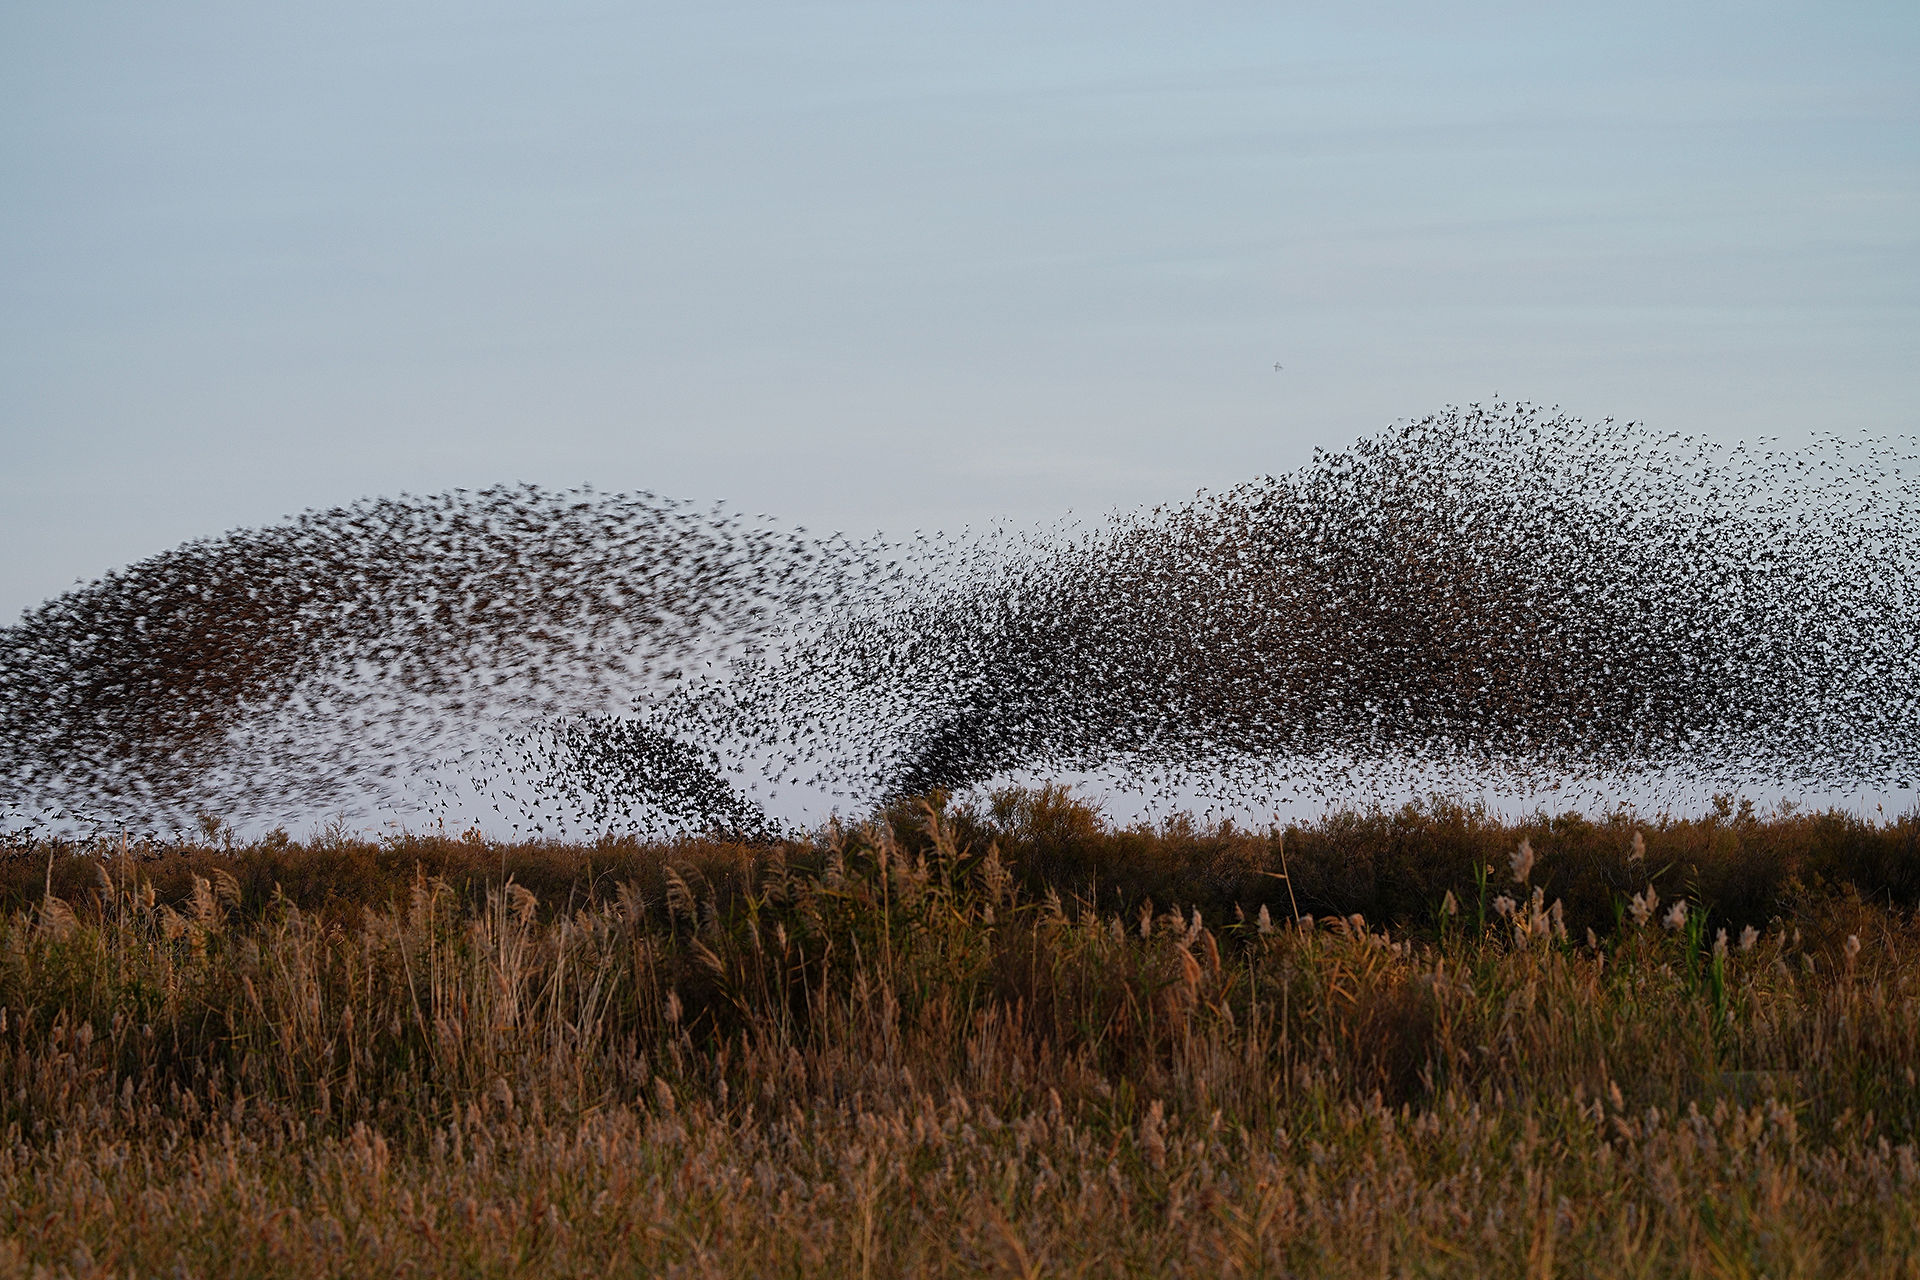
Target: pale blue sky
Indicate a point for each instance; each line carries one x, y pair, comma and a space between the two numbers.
895, 266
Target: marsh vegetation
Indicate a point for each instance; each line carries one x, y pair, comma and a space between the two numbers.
1005, 1039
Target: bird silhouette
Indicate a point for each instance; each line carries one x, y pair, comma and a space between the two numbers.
1491, 593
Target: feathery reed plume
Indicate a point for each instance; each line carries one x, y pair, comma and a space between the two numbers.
1522, 862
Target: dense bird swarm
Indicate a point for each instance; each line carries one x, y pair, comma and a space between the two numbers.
1487, 594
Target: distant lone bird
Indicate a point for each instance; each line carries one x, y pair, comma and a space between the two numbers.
1276, 368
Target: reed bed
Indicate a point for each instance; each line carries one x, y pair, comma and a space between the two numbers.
930, 1045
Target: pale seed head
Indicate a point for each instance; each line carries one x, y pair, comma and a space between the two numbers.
1523, 862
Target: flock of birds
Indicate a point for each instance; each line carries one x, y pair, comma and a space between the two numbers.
1482, 597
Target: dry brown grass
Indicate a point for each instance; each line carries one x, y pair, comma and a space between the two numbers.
899, 1053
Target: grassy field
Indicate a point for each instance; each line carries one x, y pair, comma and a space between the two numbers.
1005, 1040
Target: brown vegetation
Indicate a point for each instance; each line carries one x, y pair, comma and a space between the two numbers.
1002, 1040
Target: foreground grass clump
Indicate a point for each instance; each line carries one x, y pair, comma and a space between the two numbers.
896, 1051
